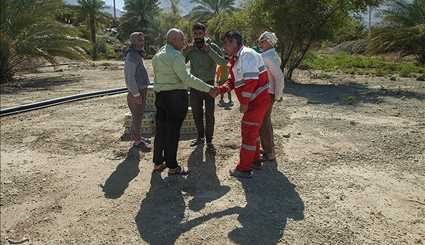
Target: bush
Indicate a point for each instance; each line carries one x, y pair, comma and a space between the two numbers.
359, 64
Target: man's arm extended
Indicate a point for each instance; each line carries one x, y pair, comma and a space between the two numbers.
191, 81
215, 53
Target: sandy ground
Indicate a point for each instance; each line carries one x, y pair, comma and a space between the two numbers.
350, 169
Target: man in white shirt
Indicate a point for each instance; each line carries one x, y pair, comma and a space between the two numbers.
267, 41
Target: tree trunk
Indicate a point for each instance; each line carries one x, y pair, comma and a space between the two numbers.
6, 72
92, 24
421, 59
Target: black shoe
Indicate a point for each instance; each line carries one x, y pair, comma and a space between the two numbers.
146, 140
257, 165
178, 171
143, 147
197, 142
211, 148
239, 174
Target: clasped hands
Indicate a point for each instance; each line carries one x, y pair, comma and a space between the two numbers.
214, 92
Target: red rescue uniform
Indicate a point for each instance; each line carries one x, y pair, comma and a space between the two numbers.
249, 79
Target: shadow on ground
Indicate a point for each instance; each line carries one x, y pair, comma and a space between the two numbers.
125, 172
271, 200
346, 94
203, 183
160, 219
37, 84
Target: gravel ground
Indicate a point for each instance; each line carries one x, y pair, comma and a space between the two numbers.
350, 169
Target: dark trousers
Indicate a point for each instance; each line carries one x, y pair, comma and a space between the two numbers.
171, 111
197, 100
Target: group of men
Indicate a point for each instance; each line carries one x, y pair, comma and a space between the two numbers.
256, 79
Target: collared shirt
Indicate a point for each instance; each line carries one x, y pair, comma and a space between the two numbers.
171, 74
203, 64
136, 77
248, 76
275, 74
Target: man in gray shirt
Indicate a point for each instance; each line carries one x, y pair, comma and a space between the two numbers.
137, 81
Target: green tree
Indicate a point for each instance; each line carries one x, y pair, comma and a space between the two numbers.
205, 9
69, 14
351, 29
300, 24
175, 9
28, 30
141, 15
238, 21
90, 11
403, 30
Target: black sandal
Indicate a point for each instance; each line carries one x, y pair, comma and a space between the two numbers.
142, 146
266, 159
178, 171
159, 168
211, 148
258, 164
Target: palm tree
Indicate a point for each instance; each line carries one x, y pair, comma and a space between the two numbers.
403, 30
90, 10
205, 9
141, 15
28, 30
175, 10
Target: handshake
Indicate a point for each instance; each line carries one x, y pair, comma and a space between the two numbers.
214, 92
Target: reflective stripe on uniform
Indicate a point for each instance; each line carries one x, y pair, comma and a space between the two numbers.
251, 123
250, 75
246, 95
249, 147
259, 91
239, 83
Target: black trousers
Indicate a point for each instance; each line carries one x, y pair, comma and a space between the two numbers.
197, 100
171, 111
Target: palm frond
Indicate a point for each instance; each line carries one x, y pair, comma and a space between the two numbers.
208, 8
403, 30
30, 30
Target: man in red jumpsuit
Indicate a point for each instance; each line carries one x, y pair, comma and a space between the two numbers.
248, 77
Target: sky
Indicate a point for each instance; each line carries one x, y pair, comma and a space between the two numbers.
119, 3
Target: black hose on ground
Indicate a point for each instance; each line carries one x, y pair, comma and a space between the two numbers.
52, 102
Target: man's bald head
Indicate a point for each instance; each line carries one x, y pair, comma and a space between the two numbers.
175, 38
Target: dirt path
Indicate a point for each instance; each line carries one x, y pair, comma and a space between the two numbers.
65, 80
350, 170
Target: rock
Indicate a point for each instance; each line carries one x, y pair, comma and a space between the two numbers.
286, 135
299, 133
393, 78
29, 139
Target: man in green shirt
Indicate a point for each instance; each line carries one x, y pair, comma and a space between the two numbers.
203, 55
170, 84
